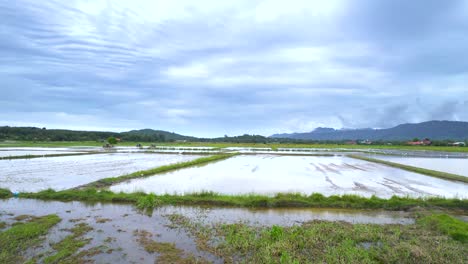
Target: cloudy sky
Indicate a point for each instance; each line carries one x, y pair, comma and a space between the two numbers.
209, 68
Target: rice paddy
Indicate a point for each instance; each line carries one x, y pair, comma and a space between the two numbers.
195, 204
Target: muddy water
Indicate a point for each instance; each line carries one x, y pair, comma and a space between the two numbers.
269, 174
451, 165
117, 232
60, 173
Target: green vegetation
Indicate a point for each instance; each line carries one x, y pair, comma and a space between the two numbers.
112, 140
166, 168
22, 236
455, 228
326, 242
69, 246
273, 145
43, 134
5, 193
47, 155
433, 173
255, 201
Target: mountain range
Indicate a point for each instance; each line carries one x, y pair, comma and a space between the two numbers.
435, 130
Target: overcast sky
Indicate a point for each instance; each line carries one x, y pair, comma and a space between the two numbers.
209, 68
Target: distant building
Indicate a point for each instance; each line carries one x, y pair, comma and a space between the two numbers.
459, 144
365, 142
425, 142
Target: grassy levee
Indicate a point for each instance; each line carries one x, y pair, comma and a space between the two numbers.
274, 146
433, 173
145, 173
22, 236
315, 200
48, 155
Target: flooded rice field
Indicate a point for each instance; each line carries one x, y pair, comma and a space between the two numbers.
31, 175
114, 230
270, 174
11, 152
451, 165
417, 153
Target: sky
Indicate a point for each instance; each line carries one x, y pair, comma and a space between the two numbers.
211, 68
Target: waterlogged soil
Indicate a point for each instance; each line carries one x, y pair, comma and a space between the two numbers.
115, 233
417, 153
451, 165
270, 174
11, 152
31, 175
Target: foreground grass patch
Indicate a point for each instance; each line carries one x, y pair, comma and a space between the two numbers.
280, 200
145, 173
455, 228
325, 242
433, 173
67, 248
22, 236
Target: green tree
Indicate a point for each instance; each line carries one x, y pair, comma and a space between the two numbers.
112, 140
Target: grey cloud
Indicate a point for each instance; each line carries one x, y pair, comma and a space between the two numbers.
364, 64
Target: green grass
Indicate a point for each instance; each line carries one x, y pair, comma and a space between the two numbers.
162, 169
47, 155
224, 145
325, 242
453, 227
315, 200
22, 236
433, 173
69, 246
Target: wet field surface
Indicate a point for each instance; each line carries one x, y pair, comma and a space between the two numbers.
11, 152
60, 173
115, 227
270, 174
457, 166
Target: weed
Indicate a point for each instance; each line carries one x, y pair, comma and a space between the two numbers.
20, 237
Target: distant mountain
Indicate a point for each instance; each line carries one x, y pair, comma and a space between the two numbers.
153, 135
435, 130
